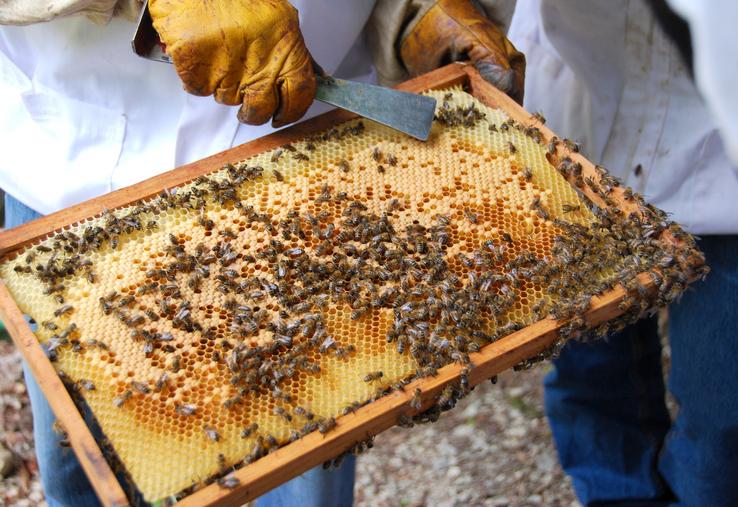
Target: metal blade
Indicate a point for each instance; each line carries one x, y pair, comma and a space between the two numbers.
407, 112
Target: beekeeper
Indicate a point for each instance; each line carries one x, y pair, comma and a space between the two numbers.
615, 76
81, 115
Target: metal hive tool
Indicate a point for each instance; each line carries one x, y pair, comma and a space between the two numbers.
239, 312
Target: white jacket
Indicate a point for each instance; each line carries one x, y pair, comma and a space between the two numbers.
82, 115
604, 74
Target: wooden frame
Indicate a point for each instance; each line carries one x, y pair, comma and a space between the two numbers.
315, 448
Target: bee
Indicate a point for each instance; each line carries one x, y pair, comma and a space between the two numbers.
571, 145
300, 156
326, 425
638, 170
552, 145
392, 160
372, 376
47, 324
249, 430
211, 433
140, 387
538, 117
377, 154
309, 146
86, 384
175, 363
472, 217
97, 343
493, 128
281, 412
186, 410
289, 147
120, 400
63, 310
228, 482
380, 169
416, 402
162, 381
277, 153
569, 208
343, 165
278, 175
511, 147
527, 174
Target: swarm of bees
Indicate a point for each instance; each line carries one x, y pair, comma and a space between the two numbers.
361, 259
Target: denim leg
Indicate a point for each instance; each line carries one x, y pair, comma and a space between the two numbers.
700, 456
315, 488
605, 405
64, 481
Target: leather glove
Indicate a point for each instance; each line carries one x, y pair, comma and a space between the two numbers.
453, 30
248, 52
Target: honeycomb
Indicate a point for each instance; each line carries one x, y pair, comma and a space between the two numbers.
236, 313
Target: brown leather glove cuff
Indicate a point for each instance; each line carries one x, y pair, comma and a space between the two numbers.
454, 30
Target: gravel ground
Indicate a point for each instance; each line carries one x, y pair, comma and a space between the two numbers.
19, 481
493, 449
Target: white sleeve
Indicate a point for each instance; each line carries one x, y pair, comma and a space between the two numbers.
26, 12
712, 25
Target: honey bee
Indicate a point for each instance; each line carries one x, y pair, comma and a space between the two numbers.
472, 217
162, 381
249, 430
416, 401
569, 208
185, 409
281, 412
278, 175
343, 165
372, 376
300, 156
511, 147
63, 310
228, 482
211, 433
527, 174
140, 387
377, 154
120, 400
538, 117
571, 145
326, 425
86, 384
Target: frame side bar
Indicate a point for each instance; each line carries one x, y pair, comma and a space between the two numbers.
90, 456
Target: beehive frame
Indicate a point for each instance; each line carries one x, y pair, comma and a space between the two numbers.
315, 448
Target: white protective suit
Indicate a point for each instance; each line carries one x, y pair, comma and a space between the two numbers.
81, 115
605, 74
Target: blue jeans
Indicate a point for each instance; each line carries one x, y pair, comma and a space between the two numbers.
605, 402
65, 483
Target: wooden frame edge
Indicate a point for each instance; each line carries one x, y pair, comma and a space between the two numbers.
83, 444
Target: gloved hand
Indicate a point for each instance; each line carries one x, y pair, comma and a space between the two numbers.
248, 52
455, 30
